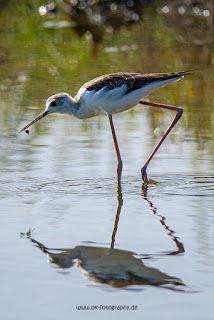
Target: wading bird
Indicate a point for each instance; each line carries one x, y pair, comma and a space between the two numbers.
113, 93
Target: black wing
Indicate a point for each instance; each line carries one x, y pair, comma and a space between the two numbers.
133, 81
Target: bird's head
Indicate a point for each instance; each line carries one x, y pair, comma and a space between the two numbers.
58, 103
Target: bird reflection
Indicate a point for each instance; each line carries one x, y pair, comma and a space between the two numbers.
179, 245
114, 267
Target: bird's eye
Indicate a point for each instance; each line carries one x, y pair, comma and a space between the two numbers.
53, 104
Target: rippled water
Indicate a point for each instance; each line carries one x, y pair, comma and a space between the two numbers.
70, 238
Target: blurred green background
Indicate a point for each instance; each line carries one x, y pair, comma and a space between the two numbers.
48, 47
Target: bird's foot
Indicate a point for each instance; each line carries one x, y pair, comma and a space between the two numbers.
146, 181
144, 174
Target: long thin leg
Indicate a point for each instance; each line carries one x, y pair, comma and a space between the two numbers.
119, 160
174, 121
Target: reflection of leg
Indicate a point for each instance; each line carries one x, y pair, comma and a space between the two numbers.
174, 121
119, 206
119, 160
170, 232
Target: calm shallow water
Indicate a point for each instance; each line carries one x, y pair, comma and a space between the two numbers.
60, 183
71, 200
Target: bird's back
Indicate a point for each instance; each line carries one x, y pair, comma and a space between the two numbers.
133, 81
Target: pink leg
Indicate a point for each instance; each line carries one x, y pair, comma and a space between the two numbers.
119, 160
174, 121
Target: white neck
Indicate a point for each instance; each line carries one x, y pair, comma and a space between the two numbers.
71, 107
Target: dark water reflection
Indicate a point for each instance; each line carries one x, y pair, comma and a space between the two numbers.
117, 268
171, 233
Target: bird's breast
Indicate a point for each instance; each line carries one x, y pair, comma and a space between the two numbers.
93, 103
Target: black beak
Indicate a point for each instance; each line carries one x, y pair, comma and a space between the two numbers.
42, 115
